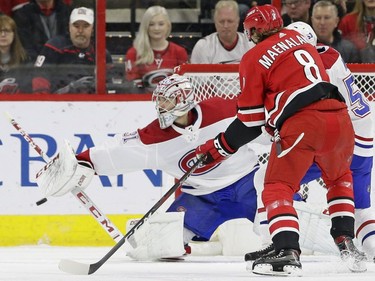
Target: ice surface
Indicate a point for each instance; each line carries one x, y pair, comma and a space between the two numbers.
40, 263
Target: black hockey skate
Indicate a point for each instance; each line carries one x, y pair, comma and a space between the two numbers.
252, 256
354, 259
285, 263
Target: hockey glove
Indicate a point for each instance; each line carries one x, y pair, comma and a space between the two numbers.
64, 173
214, 151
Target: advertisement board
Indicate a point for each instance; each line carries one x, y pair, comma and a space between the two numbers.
83, 124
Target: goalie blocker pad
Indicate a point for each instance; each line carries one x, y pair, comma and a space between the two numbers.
63, 173
161, 236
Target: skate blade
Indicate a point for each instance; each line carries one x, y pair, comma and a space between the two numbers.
267, 269
171, 259
355, 264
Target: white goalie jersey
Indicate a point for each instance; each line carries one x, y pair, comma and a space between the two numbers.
172, 150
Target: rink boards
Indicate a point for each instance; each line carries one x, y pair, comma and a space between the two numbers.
63, 220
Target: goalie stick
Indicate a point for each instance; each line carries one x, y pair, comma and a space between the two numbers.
74, 267
82, 197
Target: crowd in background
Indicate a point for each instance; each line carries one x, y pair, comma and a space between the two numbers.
38, 39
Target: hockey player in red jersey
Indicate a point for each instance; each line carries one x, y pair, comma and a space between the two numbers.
285, 88
361, 166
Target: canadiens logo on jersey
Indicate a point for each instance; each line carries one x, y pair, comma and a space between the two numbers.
188, 160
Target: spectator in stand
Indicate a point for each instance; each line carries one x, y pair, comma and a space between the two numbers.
12, 57
39, 21
9, 6
359, 27
152, 57
66, 63
341, 7
226, 45
296, 10
324, 22
368, 53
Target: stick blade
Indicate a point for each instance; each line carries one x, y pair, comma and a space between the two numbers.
74, 267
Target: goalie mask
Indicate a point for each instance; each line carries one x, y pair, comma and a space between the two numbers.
305, 30
173, 97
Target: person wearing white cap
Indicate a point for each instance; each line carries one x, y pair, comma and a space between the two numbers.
63, 55
81, 26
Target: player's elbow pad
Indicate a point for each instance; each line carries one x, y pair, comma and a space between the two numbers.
238, 134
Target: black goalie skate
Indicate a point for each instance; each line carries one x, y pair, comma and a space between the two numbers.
354, 259
252, 256
285, 263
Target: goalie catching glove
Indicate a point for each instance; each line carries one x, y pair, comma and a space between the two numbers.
214, 150
63, 173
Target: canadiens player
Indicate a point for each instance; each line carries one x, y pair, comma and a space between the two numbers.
361, 166
212, 195
285, 87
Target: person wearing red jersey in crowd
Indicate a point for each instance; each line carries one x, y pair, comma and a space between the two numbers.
226, 45
66, 64
152, 57
284, 87
39, 21
359, 27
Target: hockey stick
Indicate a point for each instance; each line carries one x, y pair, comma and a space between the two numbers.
99, 216
74, 267
281, 153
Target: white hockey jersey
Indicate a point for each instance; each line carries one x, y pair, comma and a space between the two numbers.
173, 150
358, 106
209, 50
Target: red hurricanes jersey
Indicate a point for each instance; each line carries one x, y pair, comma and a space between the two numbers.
174, 55
278, 76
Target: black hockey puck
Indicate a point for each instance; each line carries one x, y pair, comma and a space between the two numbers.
41, 201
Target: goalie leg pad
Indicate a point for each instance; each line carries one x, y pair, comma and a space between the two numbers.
63, 173
161, 236
365, 229
315, 225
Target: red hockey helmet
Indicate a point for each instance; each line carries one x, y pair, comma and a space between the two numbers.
262, 20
